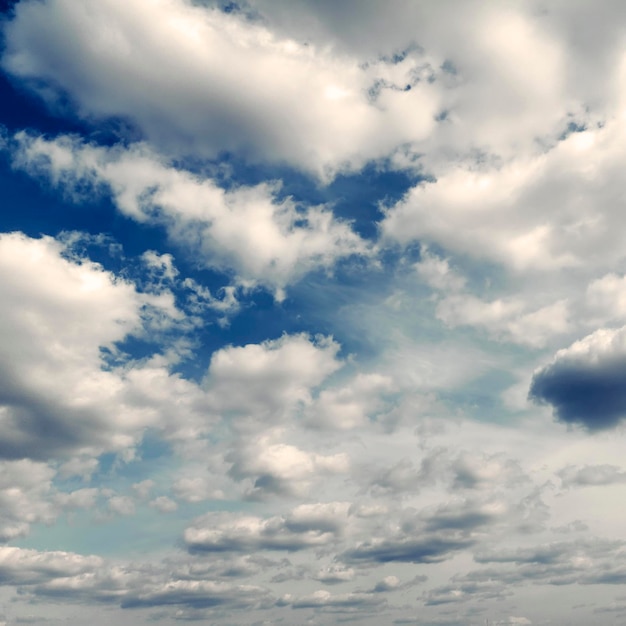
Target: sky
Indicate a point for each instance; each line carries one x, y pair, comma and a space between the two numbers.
312, 312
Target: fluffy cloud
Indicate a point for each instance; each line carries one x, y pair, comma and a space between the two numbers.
307, 526
72, 577
277, 468
18, 566
279, 99
304, 84
57, 315
584, 383
498, 212
25, 488
350, 405
59, 397
262, 383
337, 603
245, 230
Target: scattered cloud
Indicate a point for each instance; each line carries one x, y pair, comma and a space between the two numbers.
583, 383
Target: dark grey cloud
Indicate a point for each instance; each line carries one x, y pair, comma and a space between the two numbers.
428, 536
586, 384
428, 548
463, 516
195, 594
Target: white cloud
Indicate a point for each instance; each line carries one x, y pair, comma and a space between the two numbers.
58, 397
163, 504
58, 315
277, 468
30, 566
558, 209
437, 273
506, 319
25, 488
349, 406
266, 382
121, 505
277, 99
196, 489
307, 526
245, 230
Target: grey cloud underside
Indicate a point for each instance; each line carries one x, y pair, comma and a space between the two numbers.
584, 562
426, 549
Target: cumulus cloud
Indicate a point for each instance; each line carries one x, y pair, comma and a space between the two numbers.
307, 526
19, 566
163, 504
489, 51
121, 505
59, 397
25, 489
584, 383
248, 231
334, 575
73, 577
196, 489
587, 561
496, 212
584, 562
265, 382
280, 469
280, 99
58, 315
352, 404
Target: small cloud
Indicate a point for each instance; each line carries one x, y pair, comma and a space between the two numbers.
122, 505
591, 475
163, 504
585, 382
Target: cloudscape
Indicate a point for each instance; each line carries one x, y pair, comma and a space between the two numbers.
312, 312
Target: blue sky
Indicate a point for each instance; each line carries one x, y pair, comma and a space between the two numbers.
312, 312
